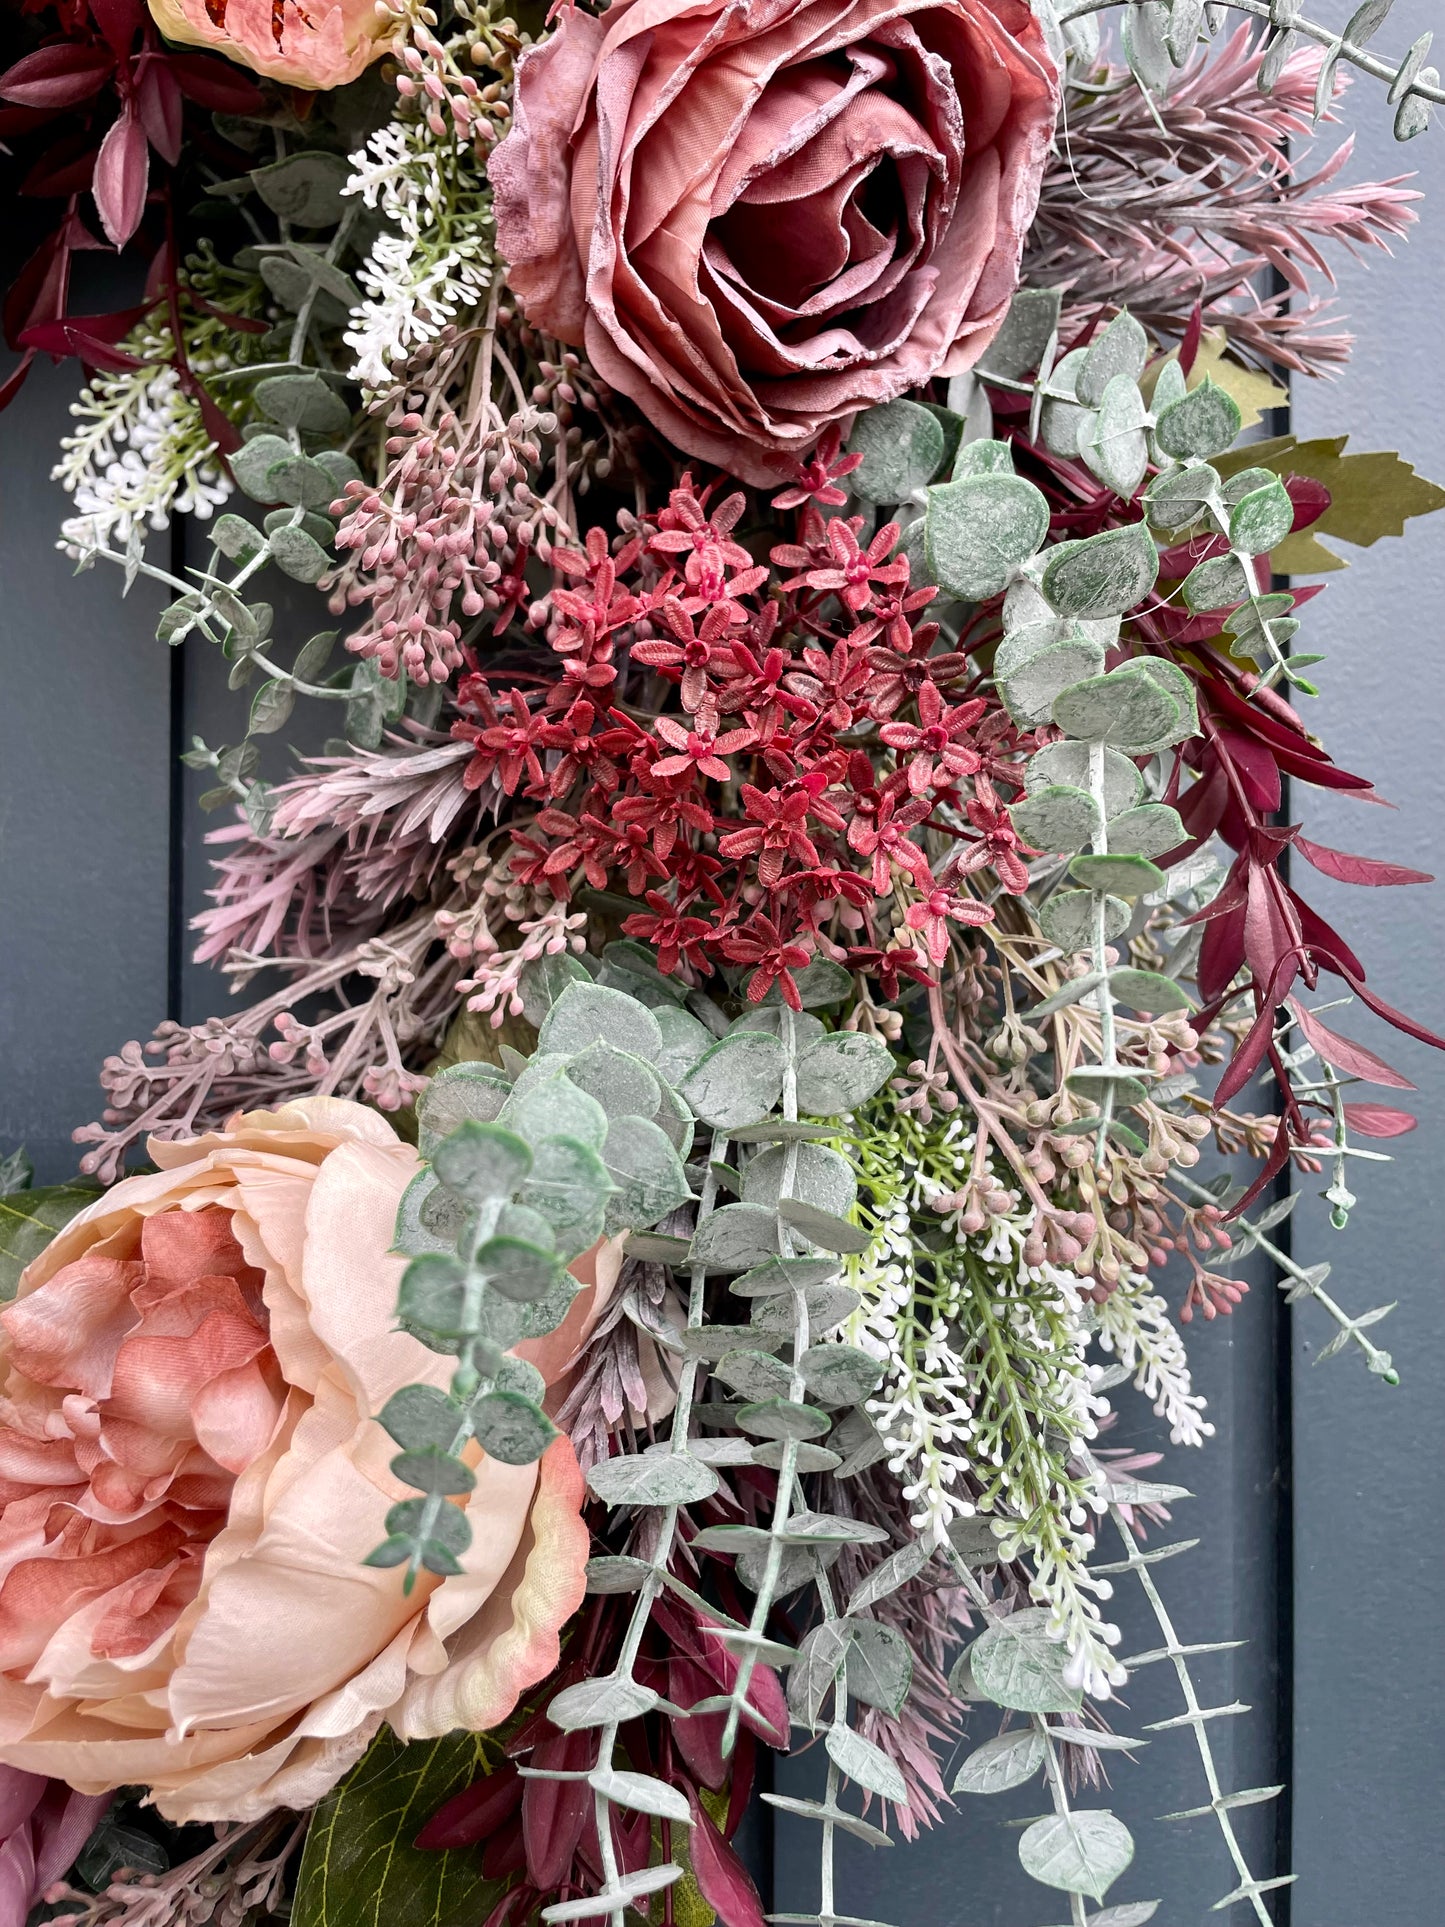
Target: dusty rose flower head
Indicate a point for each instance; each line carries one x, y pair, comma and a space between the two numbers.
316, 44
762, 215
191, 1479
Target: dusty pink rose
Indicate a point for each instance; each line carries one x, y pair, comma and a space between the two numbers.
759, 216
191, 1477
307, 43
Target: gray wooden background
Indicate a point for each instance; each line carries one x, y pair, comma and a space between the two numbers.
1320, 1501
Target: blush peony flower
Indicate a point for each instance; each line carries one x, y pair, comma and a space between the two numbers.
191, 1478
315, 44
760, 216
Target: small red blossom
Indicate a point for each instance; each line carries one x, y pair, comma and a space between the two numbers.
761, 943
852, 571
698, 750
818, 476
885, 840
939, 746
999, 845
933, 913
694, 653
672, 933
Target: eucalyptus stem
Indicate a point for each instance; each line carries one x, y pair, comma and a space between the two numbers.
1197, 1716
1272, 13
1303, 1285
788, 1467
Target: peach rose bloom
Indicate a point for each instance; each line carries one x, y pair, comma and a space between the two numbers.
191, 1477
307, 43
760, 216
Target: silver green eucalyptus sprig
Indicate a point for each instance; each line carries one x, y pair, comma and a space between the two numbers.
524, 1173
1160, 36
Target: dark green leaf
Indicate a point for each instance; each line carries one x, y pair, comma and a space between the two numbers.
30, 1219
360, 1869
511, 1428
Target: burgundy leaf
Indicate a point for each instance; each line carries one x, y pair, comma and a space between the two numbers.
1310, 498
1346, 868
504, 1854
66, 167
1273, 1165
1193, 335
1323, 943
221, 429
214, 84
119, 21
721, 1877
699, 1739
58, 76
1251, 1051
1344, 1053
1256, 767
16, 379
60, 338
122, 170
555, 1811
631, 1836
1390, 1014
508, 1905
1378, 1120
476, 1812
158, 97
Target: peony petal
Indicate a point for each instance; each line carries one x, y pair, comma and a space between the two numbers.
69, 1331
515, 1640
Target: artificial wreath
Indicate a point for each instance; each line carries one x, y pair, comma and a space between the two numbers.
786, 885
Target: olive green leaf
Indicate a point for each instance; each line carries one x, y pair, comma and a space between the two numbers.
30, 1219
360, 1868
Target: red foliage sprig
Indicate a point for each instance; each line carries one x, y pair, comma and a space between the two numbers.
748, 818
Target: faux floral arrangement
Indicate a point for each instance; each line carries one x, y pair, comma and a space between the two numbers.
793, 887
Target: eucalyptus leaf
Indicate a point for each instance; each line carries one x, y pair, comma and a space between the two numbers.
1058, 817
837, 1374
1068, 919
1120, 350
879, 1665
737, 1081
1123, 876
866, 1765
1016, 1664
1002, 1763
1101, 575
674, 1478
1082, 1852
979, 531
1204, 423
597, 1702
1068, 764
647, 1172
886, 1578
902, 446
1126, 709
822, 1228
1151, 830
820, 1176
735, 1237
840, 1071
462, 1092
589, 1014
